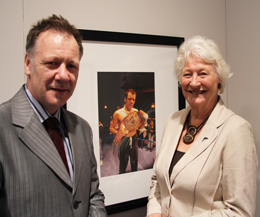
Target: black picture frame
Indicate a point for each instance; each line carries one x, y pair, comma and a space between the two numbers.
121, 37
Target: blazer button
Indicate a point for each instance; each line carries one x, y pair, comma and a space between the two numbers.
166, 213
76, 204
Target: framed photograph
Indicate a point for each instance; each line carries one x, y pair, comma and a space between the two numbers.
126, 90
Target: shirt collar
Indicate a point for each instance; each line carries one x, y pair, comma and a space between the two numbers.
40, 111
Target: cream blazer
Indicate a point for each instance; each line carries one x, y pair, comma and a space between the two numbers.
216, 176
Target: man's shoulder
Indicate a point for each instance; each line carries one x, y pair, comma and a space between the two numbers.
4, 104
18, 98
123, 111
5, 107
5, 114
119, 112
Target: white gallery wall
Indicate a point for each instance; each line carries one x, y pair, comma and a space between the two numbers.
169, 18
243, 55
232, 24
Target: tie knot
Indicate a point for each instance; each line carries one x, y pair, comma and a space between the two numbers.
52, 122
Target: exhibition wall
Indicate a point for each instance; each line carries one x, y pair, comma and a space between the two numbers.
232, 24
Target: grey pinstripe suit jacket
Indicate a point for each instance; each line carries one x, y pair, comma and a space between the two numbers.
33, 179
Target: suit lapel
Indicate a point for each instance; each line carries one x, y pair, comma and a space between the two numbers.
35, 137
71, 125
205, 139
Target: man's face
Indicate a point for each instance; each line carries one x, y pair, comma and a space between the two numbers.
52, 73
130, 101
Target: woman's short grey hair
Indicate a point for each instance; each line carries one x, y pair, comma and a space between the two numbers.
207, 50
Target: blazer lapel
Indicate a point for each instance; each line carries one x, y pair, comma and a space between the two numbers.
203, 141
206, 138
175, 127
35, 137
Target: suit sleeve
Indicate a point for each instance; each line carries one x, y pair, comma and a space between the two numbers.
239, 171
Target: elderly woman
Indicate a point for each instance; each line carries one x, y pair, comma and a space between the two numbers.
207, 162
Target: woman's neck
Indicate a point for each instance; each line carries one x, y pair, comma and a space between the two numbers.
199, 114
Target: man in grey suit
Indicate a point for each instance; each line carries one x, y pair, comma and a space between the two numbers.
35, 179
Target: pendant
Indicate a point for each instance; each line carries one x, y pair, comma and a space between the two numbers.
192, 130
189, 136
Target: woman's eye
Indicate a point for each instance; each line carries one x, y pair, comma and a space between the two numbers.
203, 74
186, 74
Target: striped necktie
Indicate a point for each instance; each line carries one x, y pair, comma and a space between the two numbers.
52, 127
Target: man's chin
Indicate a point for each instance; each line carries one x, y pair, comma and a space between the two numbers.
53, 106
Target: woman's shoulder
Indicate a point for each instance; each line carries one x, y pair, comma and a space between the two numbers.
238, 121
235, 119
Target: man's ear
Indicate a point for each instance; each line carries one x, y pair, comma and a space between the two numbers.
27, 65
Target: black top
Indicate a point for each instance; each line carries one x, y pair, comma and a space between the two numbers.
176, 157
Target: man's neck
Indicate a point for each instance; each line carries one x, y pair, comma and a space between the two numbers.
127, 109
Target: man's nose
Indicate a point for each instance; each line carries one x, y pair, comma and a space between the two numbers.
63, 73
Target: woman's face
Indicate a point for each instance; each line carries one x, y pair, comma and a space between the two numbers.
200, 84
